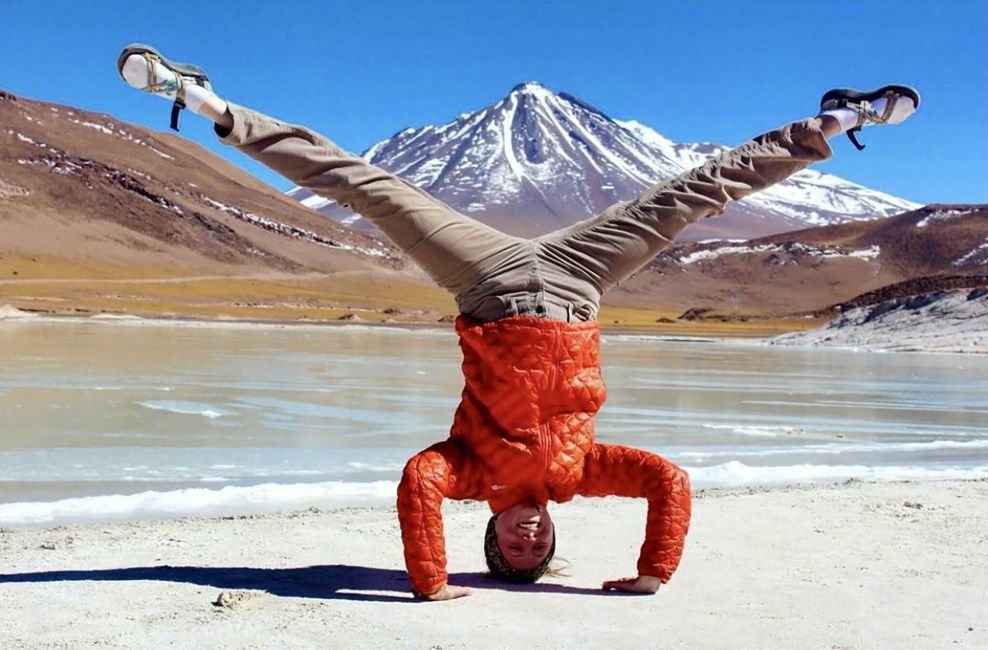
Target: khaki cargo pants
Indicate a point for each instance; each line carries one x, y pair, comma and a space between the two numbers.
561, 275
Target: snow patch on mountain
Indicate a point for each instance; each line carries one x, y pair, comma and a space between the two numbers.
945, 215
977, 255
869, 253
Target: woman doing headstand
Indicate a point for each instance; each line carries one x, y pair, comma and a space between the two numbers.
523, 434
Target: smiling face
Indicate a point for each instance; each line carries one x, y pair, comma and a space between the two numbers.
525, 535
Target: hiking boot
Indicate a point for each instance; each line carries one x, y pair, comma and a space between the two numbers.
153, 73
885, 105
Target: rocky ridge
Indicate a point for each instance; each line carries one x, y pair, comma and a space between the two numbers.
809, 272
940, 321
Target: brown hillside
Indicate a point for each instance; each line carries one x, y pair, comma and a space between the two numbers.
808, 271
86, 199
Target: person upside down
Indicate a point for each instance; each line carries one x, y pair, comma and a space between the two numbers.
523, 433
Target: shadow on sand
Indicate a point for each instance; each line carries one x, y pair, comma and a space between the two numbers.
333, 581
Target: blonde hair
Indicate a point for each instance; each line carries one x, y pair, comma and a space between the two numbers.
558, 568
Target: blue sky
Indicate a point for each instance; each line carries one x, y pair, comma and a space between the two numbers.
362, 70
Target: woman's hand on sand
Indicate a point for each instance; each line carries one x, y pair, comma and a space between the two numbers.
448, 592
639, 585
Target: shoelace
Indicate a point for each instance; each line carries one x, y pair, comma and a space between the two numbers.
868, 114
177, 85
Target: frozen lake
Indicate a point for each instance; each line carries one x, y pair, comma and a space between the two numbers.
125, 420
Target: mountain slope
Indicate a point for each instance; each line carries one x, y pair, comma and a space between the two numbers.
100, 215
945, 321
535, 161
809, 270
65, 172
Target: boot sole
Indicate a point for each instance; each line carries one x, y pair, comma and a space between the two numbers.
849, 94
184, 69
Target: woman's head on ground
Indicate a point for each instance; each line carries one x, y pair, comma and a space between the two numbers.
519, 543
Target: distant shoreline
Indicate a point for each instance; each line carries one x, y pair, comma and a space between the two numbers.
704, 332
613, 321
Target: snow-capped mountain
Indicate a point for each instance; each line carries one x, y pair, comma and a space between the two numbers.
535, 161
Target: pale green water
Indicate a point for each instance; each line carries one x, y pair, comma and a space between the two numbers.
331, 413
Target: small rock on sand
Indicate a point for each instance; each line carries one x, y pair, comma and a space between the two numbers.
234, 599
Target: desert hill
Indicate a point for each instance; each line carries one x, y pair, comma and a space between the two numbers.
806, 272
91, 207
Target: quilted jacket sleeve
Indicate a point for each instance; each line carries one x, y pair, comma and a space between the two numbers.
627, 472
429, 477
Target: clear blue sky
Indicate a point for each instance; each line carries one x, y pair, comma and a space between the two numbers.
361, 70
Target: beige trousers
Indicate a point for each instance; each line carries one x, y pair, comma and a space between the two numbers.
561, 275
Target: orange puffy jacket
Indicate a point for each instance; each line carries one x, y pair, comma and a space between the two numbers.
524, 431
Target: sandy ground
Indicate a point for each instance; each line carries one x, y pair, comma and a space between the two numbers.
858, 565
